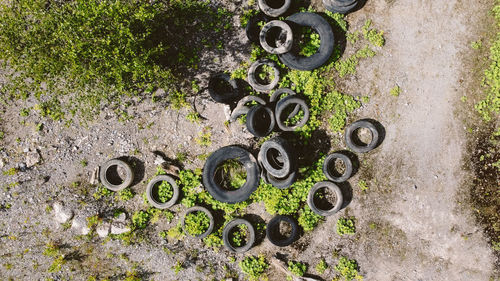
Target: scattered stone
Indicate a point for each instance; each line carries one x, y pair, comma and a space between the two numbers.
159, 160
79, 224
103, 229
61, 213
33, 158
22, 167
2, 164
94, 176
227, 112
121, 217
119, 228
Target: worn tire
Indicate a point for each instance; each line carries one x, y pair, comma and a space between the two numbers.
227, 230
242, 156
200, 209
274, 12
271, 163
355, 145
150, 190
264, 40
252, 79
242, 109
282, 183
226, 97
333, 187
260, 121
103, 175
330, 160
284, 103
271, 231
252, 29
338, 6
284, 91
323, 28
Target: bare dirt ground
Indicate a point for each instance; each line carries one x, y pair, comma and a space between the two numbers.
411, 223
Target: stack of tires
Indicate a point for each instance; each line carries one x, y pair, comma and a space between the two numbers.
340, 6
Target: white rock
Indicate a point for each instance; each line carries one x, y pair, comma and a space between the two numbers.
80, 226
121, 217
103, 229
62, 214
33, 158
119, 228
159, 160
94, 176
227, 112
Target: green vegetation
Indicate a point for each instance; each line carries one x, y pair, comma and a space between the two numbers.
476, 45
253, 266
321, 266
345, 226
165, 192
196, 223
395, 91
348, 269
204, 137
126, 194
375, 37
363, 185
178, 267
297, 268
238, 236
140, 219
102, 52
309, 42
10, 172
102, 192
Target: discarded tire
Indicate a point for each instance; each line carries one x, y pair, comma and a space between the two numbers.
252, 78
340, 6
216, 159
284, 91
111, 178
241, 107
339, 199
252, 29
274, 8
276, 37
273, 231
330, 171
295, 61
250, 239
152, 192
260, 121
353, 141
276, 157
282, 104
198, 209
282, 183
223, 89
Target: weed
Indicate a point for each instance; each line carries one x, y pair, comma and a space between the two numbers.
297, 268
175, 233
395, 91
375, 37
140, 219
308, 219
10, 172
476, 45
93, 221
321, 266
204, 137
363, 185
84, 162
126, 194
196, 223
345, 226
178, 267
254, 266
165, 192
101, 192
348, 269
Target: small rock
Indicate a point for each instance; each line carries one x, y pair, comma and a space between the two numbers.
119, 228
61, 213
159, 160
227, 112
414, 186
103, 229
23, 167
2, 164
80, 225
121, 217
33, 158
94, 176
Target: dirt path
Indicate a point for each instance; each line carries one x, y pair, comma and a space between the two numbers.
419, 230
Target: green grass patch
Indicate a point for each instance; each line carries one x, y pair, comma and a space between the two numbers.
254, 267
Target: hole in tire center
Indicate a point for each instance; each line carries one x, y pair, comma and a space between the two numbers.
162, 191
362, 136
275, 158
324, 199
275, 4
116, 174
308, 42
336, 167
238, 235
276, 37
230, 174
261, 121
290, 119
282, 230
222, 86
264, 74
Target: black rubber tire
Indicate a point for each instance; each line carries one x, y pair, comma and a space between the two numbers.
274, 12
284, 103
271, 231
277, 96
283, 48
151, 198
327, 165
284, 150
129, 175
250, 238
252, 79
242, 156
282, 183
323, 28
260, 121
353, 144
200, 209
340, 7
252, 29
242, 109
227, 97
333, 187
